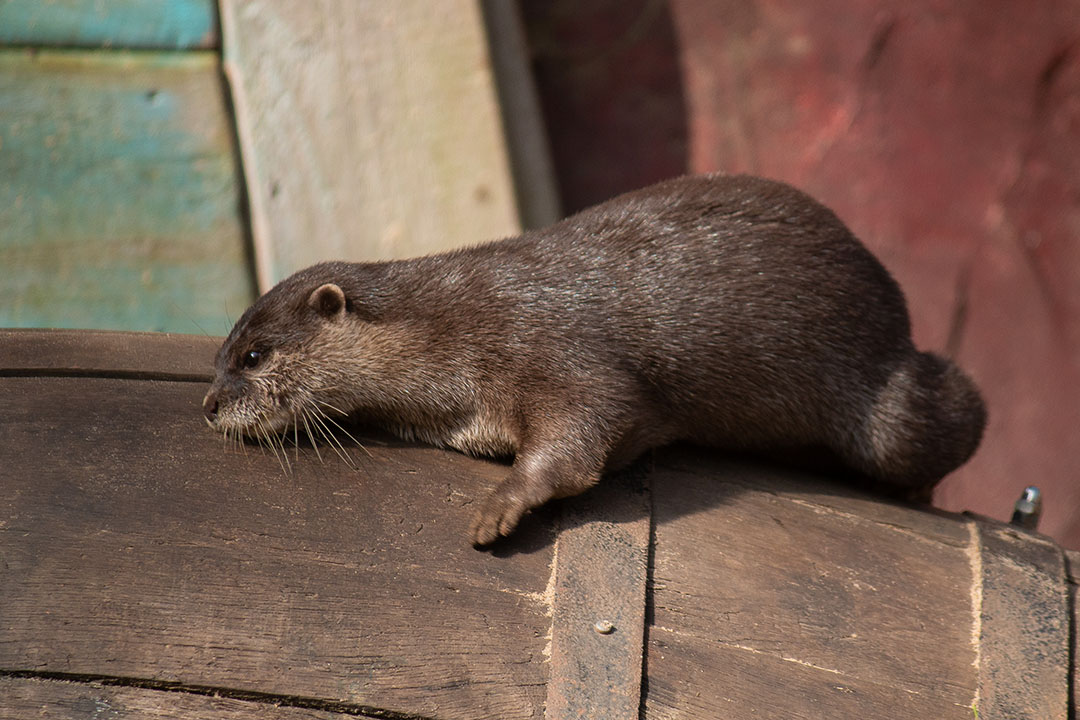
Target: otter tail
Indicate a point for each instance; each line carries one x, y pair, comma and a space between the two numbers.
926, 422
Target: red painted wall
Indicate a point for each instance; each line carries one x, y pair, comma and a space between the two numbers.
946, 133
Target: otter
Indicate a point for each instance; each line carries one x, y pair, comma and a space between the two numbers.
729, 311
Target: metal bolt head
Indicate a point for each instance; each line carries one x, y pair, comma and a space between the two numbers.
604, 627
1028, 509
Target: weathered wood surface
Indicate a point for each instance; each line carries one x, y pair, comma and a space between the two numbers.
25, 698
118, 193
598, 622
147, 570
867, 609
1024, 628
369, 130
144, 24
136, 548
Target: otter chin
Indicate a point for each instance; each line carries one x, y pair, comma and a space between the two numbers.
730, 311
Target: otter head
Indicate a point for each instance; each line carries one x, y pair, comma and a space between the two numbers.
281, 364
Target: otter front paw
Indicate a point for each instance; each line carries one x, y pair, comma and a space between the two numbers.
498, 516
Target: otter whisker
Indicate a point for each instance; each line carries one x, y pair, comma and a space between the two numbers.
261, 437
331, 439
295, 440
280, 440
267, 439
339, 427
307, 429
332, 407
318, 418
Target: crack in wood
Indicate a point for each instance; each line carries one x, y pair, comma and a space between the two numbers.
905, 530
107, 374
292, 701
910, 689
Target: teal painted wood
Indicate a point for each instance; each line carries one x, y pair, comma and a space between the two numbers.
119, 200
147, 24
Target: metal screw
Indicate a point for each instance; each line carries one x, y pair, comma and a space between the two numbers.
604, 627
1028, 509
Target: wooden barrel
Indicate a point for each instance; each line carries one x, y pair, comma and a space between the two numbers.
148, 571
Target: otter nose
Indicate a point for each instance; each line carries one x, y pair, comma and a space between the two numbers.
210, 406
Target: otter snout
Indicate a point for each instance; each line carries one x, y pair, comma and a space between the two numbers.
210, 406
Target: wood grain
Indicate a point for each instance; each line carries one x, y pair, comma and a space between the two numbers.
1025, 649
118, 193
692, 677
145, 24
746, 568
600, 577
370, 130
21, 699
135, 546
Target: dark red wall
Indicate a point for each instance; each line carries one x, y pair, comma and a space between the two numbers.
946, 133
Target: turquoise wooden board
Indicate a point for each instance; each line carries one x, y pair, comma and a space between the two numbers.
159, 24
119, 202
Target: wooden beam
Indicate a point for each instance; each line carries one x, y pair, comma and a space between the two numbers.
369, 130
598, 620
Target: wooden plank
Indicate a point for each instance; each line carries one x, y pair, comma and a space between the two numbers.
33, 698
111, 354
816, 492
692, 677
747, 569
118, 193
145, 24
369, 130
598, 621
1024, 631
134, 546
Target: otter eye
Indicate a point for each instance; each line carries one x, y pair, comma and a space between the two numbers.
252, 358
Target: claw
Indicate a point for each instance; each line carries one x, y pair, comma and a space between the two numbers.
497, 517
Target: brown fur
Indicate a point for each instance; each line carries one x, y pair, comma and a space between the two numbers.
725, 310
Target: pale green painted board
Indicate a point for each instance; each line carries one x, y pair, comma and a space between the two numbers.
119, 203
148, 24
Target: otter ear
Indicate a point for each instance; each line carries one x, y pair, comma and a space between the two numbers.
328, 300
